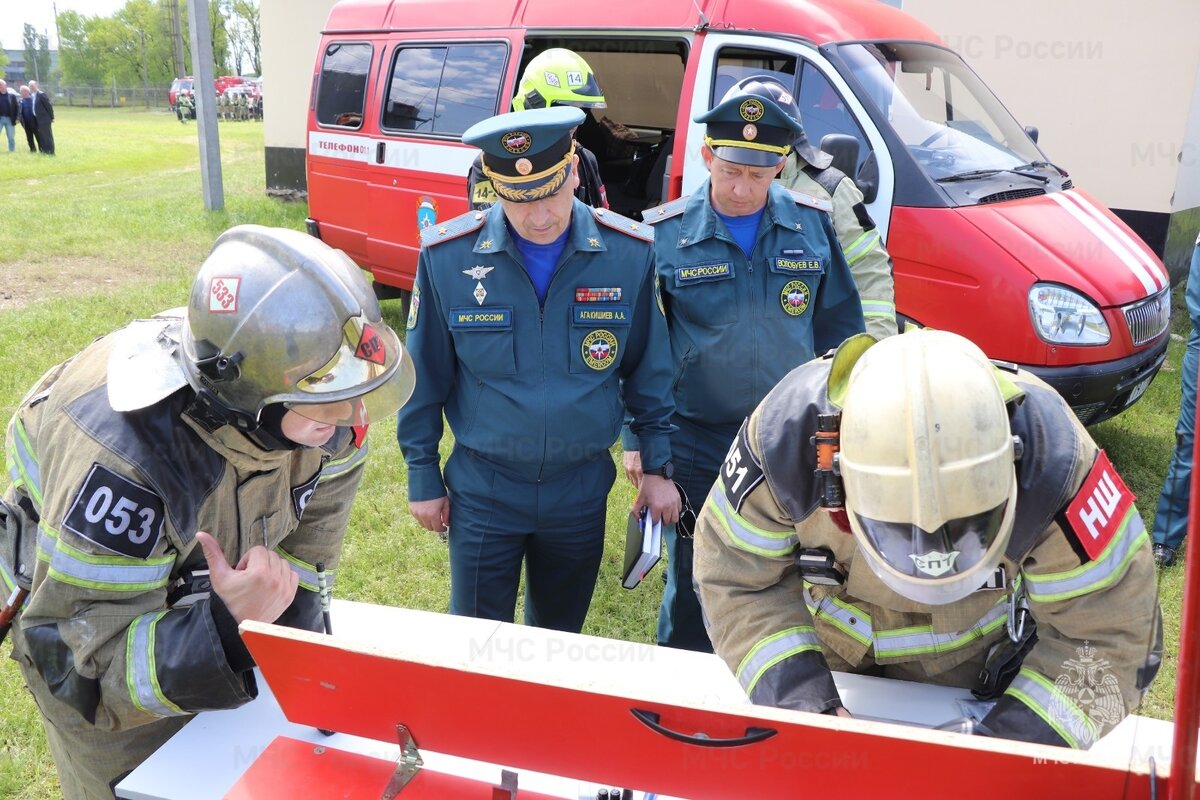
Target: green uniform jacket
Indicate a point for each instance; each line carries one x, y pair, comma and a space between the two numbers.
869, 261
114, 501
535, 388
1098, 622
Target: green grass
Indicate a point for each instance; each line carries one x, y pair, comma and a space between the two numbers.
113, 228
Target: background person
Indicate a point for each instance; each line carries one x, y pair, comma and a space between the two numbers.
28, 118
1171, 515
43, 110
967, 552
525, 319
554, 77
10, 105
753, 283
218, 441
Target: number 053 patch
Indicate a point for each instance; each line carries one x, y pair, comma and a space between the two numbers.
116, 514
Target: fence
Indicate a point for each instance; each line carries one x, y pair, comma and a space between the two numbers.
136, 97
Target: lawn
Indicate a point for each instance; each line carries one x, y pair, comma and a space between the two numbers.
114, 227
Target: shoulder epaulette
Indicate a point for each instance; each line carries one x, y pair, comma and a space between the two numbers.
453, 228
828, 178
611, 219
667, 210
813, 202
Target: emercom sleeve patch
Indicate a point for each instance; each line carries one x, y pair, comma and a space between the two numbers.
116, 514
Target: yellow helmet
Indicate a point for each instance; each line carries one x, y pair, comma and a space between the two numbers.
558, 77
928, 462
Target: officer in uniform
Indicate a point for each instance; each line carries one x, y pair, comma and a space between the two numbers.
977, 537
754, 283
809, 171
526, 320
162, 454
554, 77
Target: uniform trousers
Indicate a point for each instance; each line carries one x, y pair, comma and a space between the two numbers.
501, 519
697, 453
1171, 516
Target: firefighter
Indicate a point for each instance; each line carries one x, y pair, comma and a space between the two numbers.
809, 170
984, 542
526, 320
554, 77
179, 476
754, 283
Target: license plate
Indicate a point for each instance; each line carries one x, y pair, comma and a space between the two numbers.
1139, 389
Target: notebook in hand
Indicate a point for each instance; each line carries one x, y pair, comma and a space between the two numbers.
643, 548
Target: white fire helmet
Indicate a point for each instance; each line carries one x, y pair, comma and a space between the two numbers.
927, 460
277, 316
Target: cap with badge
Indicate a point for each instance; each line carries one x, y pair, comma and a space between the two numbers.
527, 154
757, 123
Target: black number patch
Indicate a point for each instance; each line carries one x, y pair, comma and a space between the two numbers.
302, 494
741, 471
117, 514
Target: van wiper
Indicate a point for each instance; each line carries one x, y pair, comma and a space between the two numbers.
976, 174
1044, 165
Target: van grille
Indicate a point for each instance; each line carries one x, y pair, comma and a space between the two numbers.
1068, 184
1011, 194
1087, 412
1148, 318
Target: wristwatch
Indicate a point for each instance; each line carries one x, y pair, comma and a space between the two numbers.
667, 471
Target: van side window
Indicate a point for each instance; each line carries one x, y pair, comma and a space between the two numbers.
444, 89
736, 63
342, 91
822, 112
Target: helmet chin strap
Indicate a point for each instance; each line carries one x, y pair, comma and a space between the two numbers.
266, 430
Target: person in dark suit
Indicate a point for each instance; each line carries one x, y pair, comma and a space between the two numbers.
43, 109
28, 118
8, 114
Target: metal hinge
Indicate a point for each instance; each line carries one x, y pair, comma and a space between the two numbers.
407, 766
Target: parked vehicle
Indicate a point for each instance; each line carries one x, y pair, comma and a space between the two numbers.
989, 237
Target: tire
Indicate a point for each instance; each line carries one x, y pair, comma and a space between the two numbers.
385, 292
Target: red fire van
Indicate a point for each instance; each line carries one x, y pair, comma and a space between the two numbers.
989, 238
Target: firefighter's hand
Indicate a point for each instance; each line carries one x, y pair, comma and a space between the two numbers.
433, 515
660, 496
632, 461
260, 587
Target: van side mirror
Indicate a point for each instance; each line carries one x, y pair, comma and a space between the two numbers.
1032, 133
867, 179
844, 149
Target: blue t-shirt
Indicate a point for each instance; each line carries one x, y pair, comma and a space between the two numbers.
743, 229
539, 260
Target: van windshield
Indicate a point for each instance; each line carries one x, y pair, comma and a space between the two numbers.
946, 116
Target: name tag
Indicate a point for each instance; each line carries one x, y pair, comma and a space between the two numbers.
797, 265
596, 313
494, 318
699, 273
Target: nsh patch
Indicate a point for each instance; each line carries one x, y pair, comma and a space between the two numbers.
741, 471
116, 514
1096, 514
599, 349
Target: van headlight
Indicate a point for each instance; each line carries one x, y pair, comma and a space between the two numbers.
1064, 316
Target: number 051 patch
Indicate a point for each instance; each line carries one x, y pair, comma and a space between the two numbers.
741, 471
116, 514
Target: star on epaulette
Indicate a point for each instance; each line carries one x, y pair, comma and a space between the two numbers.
633, 226
667, 210
442, 231
593, 241
800, 226
486, 244
683, 241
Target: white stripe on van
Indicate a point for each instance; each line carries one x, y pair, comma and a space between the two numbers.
1107, 239
444, 159
1139, 253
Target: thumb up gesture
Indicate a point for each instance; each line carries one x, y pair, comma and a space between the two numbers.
260, 587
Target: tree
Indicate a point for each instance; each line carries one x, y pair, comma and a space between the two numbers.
3, 57
245, 40
37, 54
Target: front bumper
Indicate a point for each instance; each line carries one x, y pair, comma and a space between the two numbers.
1096, 392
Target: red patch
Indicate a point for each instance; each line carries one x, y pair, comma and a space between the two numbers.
1096, 513
370, 346
360, 435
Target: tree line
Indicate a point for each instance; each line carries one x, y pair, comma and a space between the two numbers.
146, 41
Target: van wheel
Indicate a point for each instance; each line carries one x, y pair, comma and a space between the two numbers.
385, 292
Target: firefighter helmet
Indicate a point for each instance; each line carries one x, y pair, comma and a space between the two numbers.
558, 77
927, 457
277, 316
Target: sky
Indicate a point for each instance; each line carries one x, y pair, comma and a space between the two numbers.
40, 14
